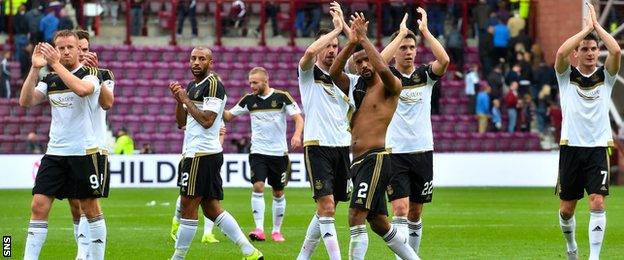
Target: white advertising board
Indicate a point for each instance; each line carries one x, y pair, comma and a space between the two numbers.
450, 169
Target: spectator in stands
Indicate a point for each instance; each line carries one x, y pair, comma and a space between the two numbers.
25, 59
483, 107
5, 75
511, 102
472, 81
556, 117
65, 23
20, 31
124, 143
520, 42
392, 14
515, 24
543, 102
480, 14
271, 9
501, 41
527, 110
33, 18
136, 14
236, 19
502, 12
435, 17
112, 8
496, 80
242, 144
48, 25
308, 19
497, 117
455, 46
486, 50
187, 8
33, 146
147, 148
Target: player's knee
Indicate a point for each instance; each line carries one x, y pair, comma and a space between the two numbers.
566, 210
399, 208
326, 207
596, 202
258, 187
90, 208
74, 207
40, 210
357, 217
278, 193
379, 224
414, 213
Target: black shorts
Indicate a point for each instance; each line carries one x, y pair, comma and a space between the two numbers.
328, 171
371, 173
413, 177
275, 168
104, 174
73, 177
201, 176
582, 168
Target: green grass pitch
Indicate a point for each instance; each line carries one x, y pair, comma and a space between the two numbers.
461, 223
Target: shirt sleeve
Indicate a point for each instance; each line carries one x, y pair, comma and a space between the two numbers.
93, 80
305, 76
214, 96
240, 107
609, 79
42, 87
564, 78
353, 79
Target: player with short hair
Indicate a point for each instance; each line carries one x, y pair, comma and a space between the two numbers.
325, 138
200, 108
69, 169
268, 158
105, 101
410, 134
375, 93
585, 93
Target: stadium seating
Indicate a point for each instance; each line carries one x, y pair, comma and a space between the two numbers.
145, 107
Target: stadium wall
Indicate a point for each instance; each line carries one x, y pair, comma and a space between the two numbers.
451, 169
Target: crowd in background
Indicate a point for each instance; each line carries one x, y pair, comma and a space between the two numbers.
511, 89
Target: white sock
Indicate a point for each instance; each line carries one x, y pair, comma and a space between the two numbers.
208, 225
359, 242
279, 208
415, 234
97, 234
186, 232
401, 225
230, 228
37, 232
178, 210
312, 239
330, 237
597, 227
568, 227
83, 237
398, 244
257, 209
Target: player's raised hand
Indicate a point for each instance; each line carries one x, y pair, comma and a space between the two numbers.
336, 13
295, 142
51, 54
422, 22
175, 89
359, 26
91, 59
38, 60
592, 15
403, 26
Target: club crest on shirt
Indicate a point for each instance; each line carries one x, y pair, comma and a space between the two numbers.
254, 105
415, 78
273, 104
196, 94
318, 184
389, 190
